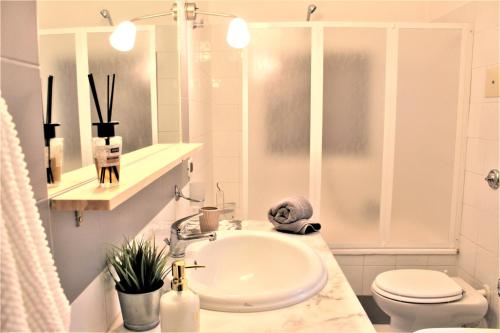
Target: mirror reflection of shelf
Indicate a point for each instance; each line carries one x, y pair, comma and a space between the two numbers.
78, 177
139, 169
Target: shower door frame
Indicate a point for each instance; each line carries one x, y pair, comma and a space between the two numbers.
316, 126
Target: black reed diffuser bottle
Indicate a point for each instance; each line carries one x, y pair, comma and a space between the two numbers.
53, 145
106, 147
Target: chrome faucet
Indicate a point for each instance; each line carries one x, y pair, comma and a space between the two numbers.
180, 239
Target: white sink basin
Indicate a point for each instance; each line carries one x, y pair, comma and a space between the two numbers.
249, 271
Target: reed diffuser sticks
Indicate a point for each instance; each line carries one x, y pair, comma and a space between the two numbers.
53, 145
50, 174
107, 156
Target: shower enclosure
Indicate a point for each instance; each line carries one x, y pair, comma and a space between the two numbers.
365, 120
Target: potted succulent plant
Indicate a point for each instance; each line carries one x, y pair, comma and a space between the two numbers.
138, 269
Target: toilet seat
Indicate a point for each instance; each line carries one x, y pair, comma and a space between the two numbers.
417, 286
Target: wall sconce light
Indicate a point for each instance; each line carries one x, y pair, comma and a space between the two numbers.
123, 37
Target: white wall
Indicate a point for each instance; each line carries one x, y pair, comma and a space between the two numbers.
478, 260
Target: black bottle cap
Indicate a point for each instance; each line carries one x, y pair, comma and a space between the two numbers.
106, 130
49, 131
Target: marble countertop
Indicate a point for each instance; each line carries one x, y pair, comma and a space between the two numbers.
334, 309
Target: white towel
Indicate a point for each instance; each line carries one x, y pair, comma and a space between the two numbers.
32, 298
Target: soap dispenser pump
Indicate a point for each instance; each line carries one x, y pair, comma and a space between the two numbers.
180, 307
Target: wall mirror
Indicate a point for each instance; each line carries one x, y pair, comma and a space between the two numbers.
73, 42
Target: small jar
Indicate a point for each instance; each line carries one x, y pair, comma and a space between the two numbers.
54, 161
107, 153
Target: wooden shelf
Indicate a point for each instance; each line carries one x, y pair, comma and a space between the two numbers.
139, 169
75, 178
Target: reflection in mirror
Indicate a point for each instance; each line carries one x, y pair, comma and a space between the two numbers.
74, 41
57, 54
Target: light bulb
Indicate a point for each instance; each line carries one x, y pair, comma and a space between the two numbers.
238, 35
123, 37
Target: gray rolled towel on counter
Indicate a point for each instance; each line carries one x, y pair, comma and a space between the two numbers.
292, 215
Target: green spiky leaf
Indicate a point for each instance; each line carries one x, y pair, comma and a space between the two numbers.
139, 265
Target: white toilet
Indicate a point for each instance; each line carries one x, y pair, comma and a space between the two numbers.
417, 299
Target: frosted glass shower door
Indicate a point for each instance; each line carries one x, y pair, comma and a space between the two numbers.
353, 131
279, 84
425, 138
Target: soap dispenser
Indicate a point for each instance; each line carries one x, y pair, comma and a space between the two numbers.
180, 307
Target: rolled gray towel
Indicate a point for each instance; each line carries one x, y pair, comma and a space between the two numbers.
292, 215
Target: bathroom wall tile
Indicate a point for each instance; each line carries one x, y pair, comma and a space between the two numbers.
168, 91
377, 259
491, 158
226, 118
472, 188
440, 9
19, 31
486, 15
487, 236
88, 311
487, 268
166, 38
169, 137
442, 260
475, 155
218, 38
487, 197
226, 91
231, 192
202, 62
21, 89
467, 277
485, 47
370, 273
354, 275
168, 117
488, 121
411, 267
227, 144
226, 64
166, 63
471, 218
166, 214
349, 260
450, 270
413, 260
477, 85
226, 169
467, 256
452, 11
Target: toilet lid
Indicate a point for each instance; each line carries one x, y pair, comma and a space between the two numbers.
418, 286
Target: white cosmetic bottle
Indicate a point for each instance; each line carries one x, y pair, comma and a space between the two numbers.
180, 307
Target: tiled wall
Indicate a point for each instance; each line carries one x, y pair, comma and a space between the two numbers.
200, 110
167, 75
361, 270
478, 260
225, 65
